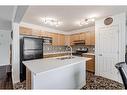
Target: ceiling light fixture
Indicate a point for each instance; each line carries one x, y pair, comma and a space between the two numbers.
86, 21
51, 21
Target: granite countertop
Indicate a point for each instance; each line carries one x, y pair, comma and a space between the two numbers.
48, 64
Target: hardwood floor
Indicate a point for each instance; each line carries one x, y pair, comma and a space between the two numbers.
6, 82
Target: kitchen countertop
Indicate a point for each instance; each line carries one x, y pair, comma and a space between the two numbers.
48, 64
88, 54
56, 53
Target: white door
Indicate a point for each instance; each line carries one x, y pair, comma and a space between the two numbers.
108, 52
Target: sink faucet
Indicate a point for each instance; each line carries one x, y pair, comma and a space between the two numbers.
70, 49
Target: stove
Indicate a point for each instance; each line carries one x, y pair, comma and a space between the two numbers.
79, 52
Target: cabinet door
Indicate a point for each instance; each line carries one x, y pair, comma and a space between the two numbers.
61, 39
54, 39
82, 36
92, 38
25, 31
87, 38
47, 34
36, 33
67, 40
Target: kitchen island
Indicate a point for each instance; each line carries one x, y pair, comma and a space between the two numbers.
57, 73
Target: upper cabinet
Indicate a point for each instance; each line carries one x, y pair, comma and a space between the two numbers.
25, 31
92, 38
89, 37
67, 40
61, 39
58, 39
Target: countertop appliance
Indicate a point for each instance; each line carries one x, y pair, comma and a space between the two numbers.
80, 51
30, 48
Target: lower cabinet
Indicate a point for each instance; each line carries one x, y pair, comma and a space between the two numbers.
90, 65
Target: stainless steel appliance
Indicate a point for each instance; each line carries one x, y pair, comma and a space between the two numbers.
30, 48
47, 40
79, 42
80, 51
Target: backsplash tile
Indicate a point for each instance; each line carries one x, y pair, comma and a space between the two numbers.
55, 49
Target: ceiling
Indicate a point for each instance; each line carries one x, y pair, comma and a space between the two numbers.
69, 15
6, 12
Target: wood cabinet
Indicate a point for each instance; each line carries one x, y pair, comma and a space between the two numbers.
61, 40
54, 39
36, 33
90, 38
25, 31
67, 40
82, 36
90, 65
87, 38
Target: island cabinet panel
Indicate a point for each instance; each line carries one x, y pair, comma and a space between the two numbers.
90, 64
28, 79
25, 31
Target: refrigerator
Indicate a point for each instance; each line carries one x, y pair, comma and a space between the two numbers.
31, 48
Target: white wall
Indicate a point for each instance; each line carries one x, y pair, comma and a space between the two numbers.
5, 25
5, 41
15, 54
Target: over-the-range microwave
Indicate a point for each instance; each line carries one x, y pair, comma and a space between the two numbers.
47, 40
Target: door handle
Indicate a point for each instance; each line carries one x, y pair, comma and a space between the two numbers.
100, 54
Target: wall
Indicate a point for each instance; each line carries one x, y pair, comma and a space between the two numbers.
5, 41
5, 25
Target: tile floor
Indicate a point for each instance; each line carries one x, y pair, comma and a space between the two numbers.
92, 82
98, 82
